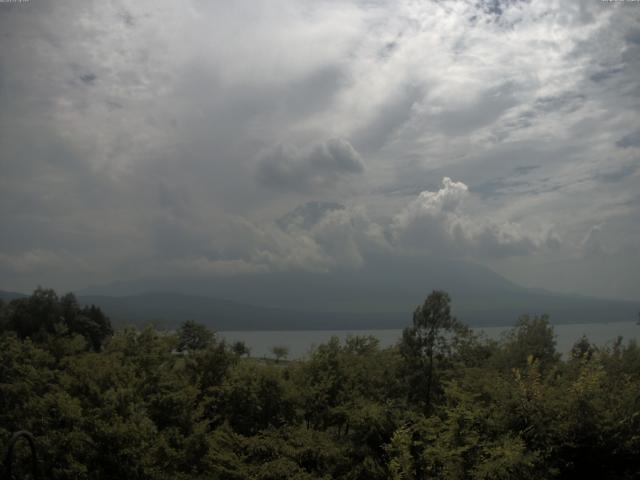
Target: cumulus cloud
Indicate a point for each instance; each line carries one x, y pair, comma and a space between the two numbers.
316, 236
322, 236
289, 168
346, 236
446, 200
436, 222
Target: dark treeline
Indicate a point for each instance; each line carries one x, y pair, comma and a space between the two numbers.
443, 403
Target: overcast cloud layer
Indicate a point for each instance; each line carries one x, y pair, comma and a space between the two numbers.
169, 137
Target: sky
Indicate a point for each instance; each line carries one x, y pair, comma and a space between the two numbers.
157, 138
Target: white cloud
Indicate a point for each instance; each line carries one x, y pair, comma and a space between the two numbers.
436, 222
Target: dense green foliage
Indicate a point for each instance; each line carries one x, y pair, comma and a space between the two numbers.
443, 403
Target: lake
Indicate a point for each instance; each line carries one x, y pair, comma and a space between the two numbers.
300, 342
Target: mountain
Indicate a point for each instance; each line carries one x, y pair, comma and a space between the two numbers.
8, 296
381, 294
170, 309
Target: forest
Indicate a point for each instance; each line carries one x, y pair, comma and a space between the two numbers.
443, 403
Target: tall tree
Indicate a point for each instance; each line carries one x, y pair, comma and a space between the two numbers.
44, 314
428, 342
531, 337
194, 336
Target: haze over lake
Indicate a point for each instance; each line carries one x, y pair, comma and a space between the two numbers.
301, 342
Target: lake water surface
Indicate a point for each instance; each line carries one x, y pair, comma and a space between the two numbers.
301, 342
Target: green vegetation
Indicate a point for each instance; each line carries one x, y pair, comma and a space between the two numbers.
443, 403
280, 352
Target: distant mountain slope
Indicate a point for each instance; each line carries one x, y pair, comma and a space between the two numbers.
170, 309
383, 283
382, 294
8, 296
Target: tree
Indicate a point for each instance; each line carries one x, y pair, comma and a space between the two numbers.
428, 342
583, 349
208, 367
240, 348
531, 337
3, 315
35, 316
44, 314
91, 323
194, 336
254, 397
280, 351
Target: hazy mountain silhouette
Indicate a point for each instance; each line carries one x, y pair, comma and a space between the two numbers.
8, 296
168, 310
382, 294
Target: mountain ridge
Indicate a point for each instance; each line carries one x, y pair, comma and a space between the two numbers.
381, 294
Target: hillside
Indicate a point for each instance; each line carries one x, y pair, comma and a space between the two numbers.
382, 294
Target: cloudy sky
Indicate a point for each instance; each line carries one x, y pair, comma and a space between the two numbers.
158, 138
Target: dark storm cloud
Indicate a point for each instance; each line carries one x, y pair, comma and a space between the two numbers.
289, 168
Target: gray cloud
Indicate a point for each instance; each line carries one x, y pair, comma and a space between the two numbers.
391, 115
593, 243
634, 37
604, 75
567, 101
307, 215
88, 78
134, 135
288, 168
630, 140
616, 174
485, 109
